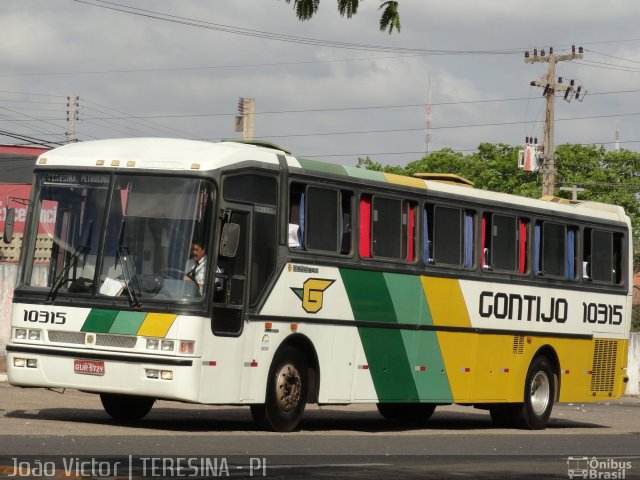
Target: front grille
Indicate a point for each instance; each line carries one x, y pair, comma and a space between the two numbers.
118, 341
102, 339
604, 366
59, 336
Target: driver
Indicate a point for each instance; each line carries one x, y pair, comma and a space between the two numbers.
196, 268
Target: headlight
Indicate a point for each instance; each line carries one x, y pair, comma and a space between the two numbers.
34, 335
167, 345
20, 333
153, 344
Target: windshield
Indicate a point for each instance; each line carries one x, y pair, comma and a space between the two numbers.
153, 247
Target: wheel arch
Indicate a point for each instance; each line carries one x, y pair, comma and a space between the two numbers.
550, 353
305, 346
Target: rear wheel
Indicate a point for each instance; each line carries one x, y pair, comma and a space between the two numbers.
286, 396
406, 412
539, 395
126, 407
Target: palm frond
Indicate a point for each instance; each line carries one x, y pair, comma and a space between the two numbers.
390, 18
305, 9
348, 7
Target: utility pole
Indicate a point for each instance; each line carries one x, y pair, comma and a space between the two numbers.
73, 106
244, 119
551, 86
427, 135
574, 191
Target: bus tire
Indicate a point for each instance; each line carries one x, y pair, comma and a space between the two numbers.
539, 395
286, 398
126, 407
406, 412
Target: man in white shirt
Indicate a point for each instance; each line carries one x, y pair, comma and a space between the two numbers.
196, 268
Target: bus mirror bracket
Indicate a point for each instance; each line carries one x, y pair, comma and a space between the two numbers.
8, 225
229, 240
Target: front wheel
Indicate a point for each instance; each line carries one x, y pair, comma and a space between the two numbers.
286, 395
126, 407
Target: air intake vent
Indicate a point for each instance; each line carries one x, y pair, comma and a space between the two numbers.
604, 366
118, 341
518, 345
59, 336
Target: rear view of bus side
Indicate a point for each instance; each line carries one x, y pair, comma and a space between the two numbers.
324, 284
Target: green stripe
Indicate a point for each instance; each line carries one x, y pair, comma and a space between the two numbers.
322, 166
365, 174
395, 356
99, 321
384, 348
408, 298
127, 323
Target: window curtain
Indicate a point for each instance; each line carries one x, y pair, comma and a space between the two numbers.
426, 250
570, 266
537, 231
468, 239
364, 245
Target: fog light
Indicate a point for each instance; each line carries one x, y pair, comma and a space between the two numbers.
34, 335
167, 345
152, 344
153, 373
32, 363
187, 346
166, 375
20, 334
19, 362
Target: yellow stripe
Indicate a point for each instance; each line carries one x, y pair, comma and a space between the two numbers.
447, 307
156, 324
404, 180
446, 302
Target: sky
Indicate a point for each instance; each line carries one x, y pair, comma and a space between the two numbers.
141, 76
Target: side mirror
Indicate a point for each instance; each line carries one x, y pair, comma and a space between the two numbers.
8, 225
229, 240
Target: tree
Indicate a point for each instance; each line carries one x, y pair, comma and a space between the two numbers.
390, 18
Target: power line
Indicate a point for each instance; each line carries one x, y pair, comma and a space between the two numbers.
281, 37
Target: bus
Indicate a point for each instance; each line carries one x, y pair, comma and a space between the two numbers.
324, 284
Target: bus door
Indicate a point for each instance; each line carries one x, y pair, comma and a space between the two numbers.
229, 300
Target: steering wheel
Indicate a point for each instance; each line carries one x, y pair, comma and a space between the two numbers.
174, 273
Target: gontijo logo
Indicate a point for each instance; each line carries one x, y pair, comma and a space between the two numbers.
312, 292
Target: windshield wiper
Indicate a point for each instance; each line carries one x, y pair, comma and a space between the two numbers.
73, 261
126, 260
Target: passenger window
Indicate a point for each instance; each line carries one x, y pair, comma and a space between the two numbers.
453, 236
387, 228
320, 219
554, 250
602, 259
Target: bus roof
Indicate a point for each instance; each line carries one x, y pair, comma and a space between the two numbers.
178, 154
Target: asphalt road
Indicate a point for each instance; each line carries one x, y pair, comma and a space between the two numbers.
600, 440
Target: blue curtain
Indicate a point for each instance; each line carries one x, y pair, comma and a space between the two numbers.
468, 239
536, 248
570, 269
426, 251
301, 229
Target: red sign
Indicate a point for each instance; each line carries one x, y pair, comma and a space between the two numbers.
17, 196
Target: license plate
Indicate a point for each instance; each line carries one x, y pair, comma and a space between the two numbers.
88, 367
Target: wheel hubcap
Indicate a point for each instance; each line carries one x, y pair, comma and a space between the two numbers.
540, 391
288, 387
